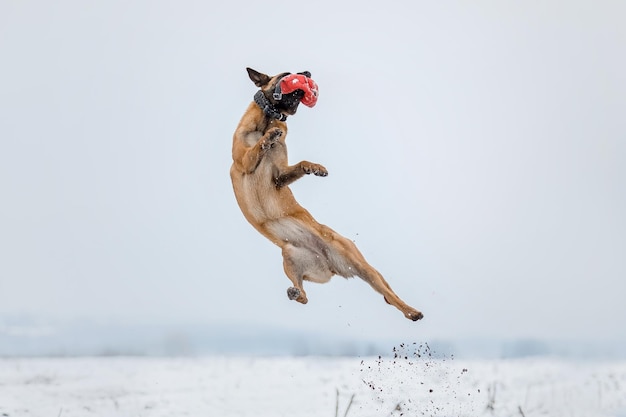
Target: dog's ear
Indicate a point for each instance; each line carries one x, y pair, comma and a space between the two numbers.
305, 73
259, 79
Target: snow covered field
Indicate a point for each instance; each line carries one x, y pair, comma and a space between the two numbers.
412, 384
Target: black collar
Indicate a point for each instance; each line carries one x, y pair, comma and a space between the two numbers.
267, 107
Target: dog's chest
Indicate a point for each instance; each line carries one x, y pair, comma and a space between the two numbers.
275, 154
252, 138
272, 161
260, 186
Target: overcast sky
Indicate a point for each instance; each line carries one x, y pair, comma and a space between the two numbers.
476, 155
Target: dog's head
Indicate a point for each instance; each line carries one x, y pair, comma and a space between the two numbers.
286, 91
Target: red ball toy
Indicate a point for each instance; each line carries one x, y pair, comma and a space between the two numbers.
293, 82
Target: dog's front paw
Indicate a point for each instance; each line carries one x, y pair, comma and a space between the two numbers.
274, 133
271, 137
315, 169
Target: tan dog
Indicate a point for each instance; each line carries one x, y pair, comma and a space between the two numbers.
261, 174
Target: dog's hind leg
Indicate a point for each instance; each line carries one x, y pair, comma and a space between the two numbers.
295, 273
303, 263
349, 262
374, 278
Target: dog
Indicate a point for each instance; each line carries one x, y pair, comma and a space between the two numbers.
261, 176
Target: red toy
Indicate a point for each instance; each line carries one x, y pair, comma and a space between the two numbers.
293, 82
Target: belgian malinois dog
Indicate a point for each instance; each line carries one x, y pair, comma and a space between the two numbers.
261, 176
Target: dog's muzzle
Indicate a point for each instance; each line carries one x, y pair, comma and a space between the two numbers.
301, 81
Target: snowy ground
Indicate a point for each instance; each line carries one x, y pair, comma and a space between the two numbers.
299, 387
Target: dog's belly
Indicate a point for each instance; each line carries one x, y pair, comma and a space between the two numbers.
292, 231
257, 192
321, 259
304, 249
311, 266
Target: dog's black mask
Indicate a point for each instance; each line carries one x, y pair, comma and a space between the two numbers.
288, 103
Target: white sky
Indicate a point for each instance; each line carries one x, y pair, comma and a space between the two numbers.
476, 156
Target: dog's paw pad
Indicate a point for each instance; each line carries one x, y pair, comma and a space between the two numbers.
274, 133
293, 293
414, 315
315, 169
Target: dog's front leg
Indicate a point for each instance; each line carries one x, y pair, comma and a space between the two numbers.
252, 156
297, 171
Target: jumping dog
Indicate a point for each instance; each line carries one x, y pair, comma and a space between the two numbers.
261, 176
